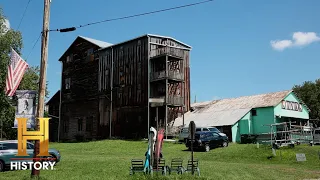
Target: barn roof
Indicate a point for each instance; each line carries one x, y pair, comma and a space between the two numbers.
151, 35
229, 111
100, 44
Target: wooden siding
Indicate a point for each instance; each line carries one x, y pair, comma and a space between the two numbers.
130, 67
87, 111
79, 100
130, 87
82, 69
90, 93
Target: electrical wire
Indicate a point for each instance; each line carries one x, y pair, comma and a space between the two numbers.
131, 16
25, 10
114, 19
34, 45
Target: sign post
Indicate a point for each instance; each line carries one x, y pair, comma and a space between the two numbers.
192, 129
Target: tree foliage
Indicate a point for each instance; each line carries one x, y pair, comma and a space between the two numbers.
8, 39
309, 93
11, 38
30, 80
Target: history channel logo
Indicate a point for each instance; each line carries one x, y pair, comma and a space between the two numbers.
26, 161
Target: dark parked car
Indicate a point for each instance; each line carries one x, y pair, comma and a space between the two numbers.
208, 140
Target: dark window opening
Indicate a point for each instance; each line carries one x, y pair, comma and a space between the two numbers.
254, 112
65, 126
89, 124
79, 124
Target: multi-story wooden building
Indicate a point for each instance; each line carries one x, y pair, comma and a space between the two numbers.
131, 72
116, 82
79, 89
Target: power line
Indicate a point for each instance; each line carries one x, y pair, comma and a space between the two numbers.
115, 19
131, 16
34, 45
23, 14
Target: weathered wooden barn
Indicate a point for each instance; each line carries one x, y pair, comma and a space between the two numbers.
79, 90
103, 83
131, 72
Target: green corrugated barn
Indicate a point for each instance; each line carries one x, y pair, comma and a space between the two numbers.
248, 115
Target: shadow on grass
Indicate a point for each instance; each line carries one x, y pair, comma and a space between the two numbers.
195, 150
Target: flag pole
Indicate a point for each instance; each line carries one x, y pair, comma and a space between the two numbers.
42, 80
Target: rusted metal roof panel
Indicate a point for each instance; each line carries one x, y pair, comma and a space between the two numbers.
218, 118
246, 102
229, 111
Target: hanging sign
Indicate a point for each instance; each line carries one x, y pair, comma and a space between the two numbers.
26, 107
293, 106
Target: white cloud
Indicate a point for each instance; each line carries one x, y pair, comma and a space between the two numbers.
281, 44
303, 39
299, 39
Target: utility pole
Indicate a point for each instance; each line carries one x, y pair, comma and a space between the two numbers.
42, 83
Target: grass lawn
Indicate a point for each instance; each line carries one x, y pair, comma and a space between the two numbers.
110, 159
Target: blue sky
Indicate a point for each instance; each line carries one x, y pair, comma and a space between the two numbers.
232, 52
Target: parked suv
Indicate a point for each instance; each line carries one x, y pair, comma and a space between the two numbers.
184, 133
208, 140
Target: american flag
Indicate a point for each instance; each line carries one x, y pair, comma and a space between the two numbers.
16, 70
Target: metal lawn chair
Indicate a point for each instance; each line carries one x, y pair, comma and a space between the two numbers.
161, 167
195, 166
136, 166
176, 166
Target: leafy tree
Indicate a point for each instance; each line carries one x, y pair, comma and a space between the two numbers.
11, 38
309, 93
30, 80
8, 38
